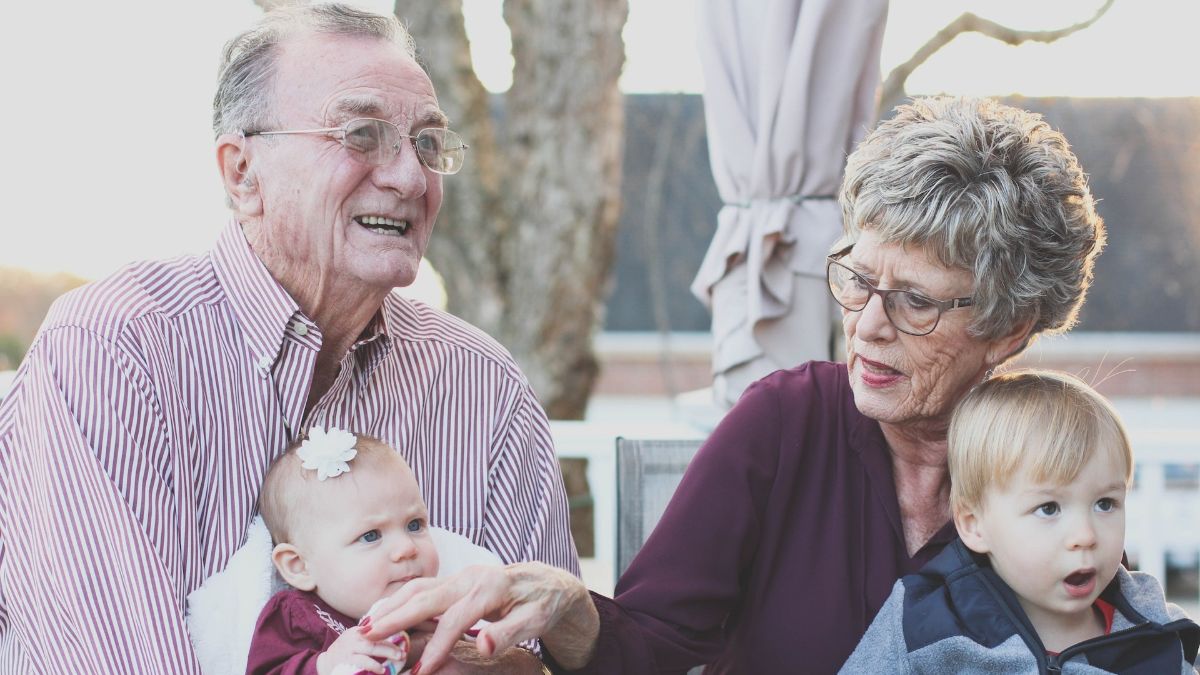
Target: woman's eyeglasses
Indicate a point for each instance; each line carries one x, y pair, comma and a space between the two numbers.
909, 312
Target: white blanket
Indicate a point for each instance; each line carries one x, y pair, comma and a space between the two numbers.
221, 614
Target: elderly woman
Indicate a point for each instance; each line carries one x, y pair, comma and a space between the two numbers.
970, 230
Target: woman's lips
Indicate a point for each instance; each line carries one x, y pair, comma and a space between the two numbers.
876, 374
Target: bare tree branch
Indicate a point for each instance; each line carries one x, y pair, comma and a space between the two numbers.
893, 90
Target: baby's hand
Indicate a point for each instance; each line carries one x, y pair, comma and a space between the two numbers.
352, 652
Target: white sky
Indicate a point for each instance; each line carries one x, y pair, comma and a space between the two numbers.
109, 154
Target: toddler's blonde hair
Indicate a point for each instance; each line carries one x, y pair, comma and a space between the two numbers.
1042, 422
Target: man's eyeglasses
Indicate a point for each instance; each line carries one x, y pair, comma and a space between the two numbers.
909, 312
377, 142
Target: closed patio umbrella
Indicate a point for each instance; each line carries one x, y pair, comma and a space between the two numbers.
790, 88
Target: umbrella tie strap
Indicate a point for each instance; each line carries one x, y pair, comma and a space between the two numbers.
795, 199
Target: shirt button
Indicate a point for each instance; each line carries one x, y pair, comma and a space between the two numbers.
264, 363
299, 328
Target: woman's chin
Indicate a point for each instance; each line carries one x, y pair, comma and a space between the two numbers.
882, 404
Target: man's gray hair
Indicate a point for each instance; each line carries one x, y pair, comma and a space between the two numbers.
243, 98
987, 188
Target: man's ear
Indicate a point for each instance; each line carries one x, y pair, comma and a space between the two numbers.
292, 567
1004, 347
241, 186
970, 529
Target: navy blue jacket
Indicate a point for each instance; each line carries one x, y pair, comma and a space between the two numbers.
957, 616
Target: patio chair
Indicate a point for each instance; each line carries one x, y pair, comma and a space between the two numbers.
648, 471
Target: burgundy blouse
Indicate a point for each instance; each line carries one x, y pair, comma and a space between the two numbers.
293, 629
780, 545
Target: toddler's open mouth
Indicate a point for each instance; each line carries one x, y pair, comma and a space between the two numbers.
1080, 583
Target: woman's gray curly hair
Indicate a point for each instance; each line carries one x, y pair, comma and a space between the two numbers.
243, 97
988, 188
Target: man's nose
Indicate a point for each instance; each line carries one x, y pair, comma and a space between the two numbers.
404, 173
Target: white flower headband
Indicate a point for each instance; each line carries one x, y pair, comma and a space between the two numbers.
327, 451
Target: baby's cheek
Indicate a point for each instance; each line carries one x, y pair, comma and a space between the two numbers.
434, 562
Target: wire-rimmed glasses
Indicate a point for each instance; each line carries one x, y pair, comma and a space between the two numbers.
909, 312
377, 142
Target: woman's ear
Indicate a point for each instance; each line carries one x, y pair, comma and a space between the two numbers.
292, 567
241, 186
970, 529
1006, 346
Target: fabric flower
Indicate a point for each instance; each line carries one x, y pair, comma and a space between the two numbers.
327, 451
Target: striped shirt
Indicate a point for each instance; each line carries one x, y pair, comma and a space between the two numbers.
137, 431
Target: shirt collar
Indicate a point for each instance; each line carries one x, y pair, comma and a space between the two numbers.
375, 342
260, 305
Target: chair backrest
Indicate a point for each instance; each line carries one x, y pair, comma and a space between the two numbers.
648, 471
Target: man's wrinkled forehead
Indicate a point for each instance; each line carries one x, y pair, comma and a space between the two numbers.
367, 105
340, 77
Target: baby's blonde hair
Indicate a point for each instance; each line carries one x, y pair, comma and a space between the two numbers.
1046, 423
287, 482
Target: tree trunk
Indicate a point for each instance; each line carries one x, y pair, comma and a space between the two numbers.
526, 235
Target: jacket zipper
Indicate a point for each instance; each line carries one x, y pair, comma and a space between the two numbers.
1028, 634
1055, 662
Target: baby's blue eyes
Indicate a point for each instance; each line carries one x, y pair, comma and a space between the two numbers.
371, 536
1106, 504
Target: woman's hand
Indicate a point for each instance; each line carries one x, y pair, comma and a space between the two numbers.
522, 601
354, 652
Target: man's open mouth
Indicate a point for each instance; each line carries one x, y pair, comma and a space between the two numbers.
383, 225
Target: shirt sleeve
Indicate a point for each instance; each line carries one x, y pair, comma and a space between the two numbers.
281, 645
673, 600
526, 516
90, 558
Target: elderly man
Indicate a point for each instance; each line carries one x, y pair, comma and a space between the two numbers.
136, 434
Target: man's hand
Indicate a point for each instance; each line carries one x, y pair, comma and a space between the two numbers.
522, 601
352, 652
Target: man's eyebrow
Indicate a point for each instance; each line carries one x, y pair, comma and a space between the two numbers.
432, 117
358, 106
370, 106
